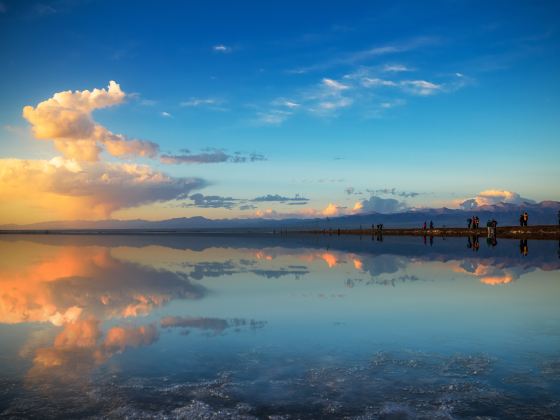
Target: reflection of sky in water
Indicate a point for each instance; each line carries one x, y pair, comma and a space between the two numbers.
241, 324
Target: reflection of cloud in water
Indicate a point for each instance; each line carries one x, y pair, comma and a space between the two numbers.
80, 347
358, 264
216, 325
329, 258
383, 264
201, 270
78, 283
406, 278
78, 288
490, 273
275, 274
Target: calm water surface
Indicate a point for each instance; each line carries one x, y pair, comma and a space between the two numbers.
278, 327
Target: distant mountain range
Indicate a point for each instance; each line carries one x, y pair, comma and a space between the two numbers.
545, 212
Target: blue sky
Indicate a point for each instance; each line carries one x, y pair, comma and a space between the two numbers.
420, 103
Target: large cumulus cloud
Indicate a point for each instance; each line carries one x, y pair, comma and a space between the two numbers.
379, 205
92, 189
66, 120
491, 197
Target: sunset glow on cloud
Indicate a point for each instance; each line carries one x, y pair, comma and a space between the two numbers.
66, 119
89, 190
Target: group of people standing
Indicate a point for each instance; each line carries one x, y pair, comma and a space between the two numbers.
425, 226
473, 222
523, 219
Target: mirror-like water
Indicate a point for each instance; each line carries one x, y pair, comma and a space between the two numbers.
292, 327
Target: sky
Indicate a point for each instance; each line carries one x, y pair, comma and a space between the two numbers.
154, 110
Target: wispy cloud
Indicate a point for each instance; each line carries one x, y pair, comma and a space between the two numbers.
194, 102
288, 103
334, 85
421, 87
393, 191
166, 114
375, 81
280, 198
374, 89
360, 56
273, 117
396, 68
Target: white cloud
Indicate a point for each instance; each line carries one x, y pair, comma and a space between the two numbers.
221, 48
392, 104
66, 120
194, 102
334, 105
379, 205
421, 87
166, 114
396, 68
334, 85
373, 82
273, 117
286, 103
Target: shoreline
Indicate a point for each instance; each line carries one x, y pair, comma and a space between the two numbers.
507, 232
550, 232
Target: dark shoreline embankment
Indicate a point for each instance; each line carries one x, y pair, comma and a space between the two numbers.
514, 232
550, 232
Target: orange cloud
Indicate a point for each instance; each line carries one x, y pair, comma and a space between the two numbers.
66, 119
72, 189
330, 210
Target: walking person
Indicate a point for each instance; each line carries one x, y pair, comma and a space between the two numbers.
521, 220
424, 226
525, 219
469, 221
431, 225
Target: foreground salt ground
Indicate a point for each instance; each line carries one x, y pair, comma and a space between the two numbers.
403, 385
